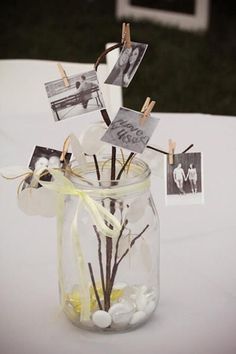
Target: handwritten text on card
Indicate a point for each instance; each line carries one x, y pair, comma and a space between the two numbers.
127, 132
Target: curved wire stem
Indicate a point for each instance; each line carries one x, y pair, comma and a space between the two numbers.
104, 113
166, 153
102, 56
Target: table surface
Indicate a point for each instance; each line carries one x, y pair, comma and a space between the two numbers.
197, 310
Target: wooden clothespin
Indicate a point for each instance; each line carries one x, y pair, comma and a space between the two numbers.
65, 148
171, 151
63, 75
126, 39
146, 110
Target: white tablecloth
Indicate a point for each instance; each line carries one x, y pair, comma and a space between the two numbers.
197, 310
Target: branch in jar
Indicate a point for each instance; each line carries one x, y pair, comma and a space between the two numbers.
116, 263
94, 286
100, 260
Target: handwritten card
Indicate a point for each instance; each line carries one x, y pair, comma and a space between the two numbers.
126, 131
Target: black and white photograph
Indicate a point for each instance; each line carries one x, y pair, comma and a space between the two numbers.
43, 157
82, 96
127, 65
127, 132
184, 179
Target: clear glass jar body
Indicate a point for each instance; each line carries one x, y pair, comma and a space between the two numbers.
109, 283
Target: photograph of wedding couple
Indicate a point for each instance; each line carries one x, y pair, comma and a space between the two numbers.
41, 158
127, 65
82, 96
184, 179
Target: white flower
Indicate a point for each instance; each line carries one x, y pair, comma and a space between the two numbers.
91, 139
37, 201
77, 150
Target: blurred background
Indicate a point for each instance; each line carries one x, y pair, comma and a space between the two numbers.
184, 71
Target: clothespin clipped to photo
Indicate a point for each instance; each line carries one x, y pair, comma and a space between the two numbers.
126, 39
65, 148
171, 151
63, 74
78, 154
146, 110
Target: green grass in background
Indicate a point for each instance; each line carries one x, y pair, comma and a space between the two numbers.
183, 71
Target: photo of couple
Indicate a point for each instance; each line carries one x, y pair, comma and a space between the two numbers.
184, 179
127, 65
180, 178
82, 96
41, 158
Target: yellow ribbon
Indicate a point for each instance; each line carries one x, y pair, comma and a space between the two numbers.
100, 217
98, 213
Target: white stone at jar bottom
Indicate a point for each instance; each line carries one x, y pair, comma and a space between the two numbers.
121, 313
141, 301
120, 286
151, 296
137, 317
150, 307
101, 319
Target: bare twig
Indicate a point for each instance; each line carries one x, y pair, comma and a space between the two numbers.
124, 166
105, 117
113, 273
100, 259
94, 286
155, 149
132, 243
109, 239
96, 167
188, 148
116, 265
113, 163
166, 153
118, 241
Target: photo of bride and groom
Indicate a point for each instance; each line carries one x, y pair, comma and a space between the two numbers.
180, 178
184, 177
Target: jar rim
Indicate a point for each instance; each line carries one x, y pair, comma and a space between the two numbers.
140, 173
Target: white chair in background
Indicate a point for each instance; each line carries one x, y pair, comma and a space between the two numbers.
196, 21
114, 93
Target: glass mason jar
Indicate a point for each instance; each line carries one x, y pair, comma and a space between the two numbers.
108, 248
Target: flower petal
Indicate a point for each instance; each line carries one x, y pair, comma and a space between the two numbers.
77, 150
91, 139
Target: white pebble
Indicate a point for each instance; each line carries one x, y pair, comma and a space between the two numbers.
129, 291
121, 313
141, 301
151, 296
101, 319
150, 307
137, 317
144, 289
133, 296
120, 286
